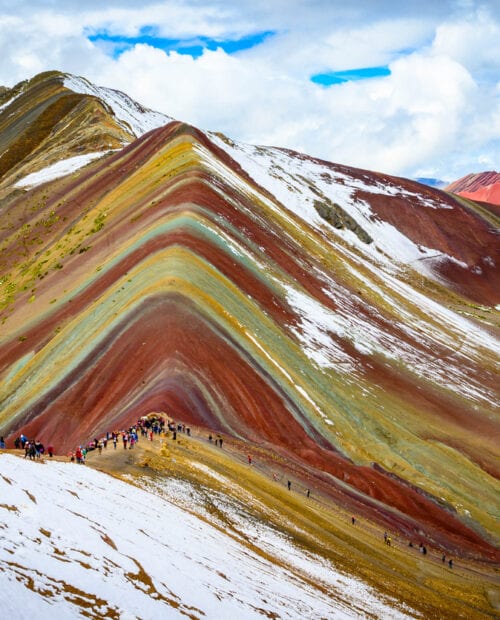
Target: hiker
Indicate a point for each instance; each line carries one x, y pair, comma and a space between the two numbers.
289, 484
450, 563
385, 537
210, 438
125, 440
388, 541
2, 443
31, 450
39, 449
220, 442
443, 558
50, 451
174, 435
249, 459
17, 443
308, 492
424, 550
353, 520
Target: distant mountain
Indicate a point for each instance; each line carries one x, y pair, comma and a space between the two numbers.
345, 321
481, 186
437, 183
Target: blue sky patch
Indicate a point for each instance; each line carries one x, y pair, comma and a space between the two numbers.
351, 75
114, 45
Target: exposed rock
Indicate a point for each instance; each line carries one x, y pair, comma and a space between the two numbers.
338, 218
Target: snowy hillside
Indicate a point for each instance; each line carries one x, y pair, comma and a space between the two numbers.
295, 182
134, 117
298, 181
57, 170
76, 542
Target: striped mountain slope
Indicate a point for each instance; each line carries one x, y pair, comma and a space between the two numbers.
344, 318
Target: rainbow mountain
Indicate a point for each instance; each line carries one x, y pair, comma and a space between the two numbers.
343, 319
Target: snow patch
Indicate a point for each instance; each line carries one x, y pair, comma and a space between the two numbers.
9, 101
57, 170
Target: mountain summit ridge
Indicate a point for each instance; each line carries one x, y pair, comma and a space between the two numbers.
56, 115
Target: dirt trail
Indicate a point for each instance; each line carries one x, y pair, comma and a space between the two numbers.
278, 472
318, 524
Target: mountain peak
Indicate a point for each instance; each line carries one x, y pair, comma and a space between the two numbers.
481, 186
55, 116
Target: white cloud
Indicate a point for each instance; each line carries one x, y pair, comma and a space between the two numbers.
175, 19
437, 111
474, 43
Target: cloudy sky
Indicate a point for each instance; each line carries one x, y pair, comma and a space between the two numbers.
410, 87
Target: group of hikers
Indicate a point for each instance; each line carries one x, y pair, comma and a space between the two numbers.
33, 449
422, 548
218, 440
147, 426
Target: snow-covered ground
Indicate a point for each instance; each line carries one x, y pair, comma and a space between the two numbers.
58, 170
298, 182
74, 541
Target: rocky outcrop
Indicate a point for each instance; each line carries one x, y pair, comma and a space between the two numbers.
338, 218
